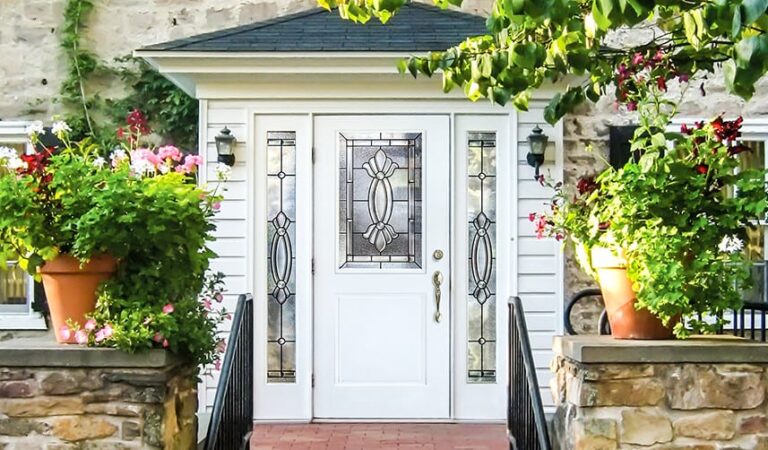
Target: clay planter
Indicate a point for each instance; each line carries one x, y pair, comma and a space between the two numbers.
71, 290
619, 297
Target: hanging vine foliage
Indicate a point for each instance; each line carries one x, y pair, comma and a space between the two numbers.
171, 112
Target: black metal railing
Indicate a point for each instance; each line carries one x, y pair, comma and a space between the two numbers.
526, 422
748, 322
232, 417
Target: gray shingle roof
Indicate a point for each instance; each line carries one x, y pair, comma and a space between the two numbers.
415, 28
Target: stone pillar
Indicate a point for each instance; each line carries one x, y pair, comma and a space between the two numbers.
56, 397
705, 393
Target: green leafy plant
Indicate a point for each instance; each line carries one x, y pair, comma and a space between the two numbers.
141, 205
679, 215
531, 42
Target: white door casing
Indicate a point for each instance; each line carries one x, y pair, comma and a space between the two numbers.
379, 351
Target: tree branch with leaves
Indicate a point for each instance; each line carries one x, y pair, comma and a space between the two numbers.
532, 42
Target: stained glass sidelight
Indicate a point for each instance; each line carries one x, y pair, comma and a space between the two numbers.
380, 201
481, 298
281, 259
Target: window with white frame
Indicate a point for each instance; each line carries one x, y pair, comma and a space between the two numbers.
16, 286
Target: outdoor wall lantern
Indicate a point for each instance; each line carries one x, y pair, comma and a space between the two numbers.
537, 142
225, 147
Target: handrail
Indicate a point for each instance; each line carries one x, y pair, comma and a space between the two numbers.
232, 416
526, 422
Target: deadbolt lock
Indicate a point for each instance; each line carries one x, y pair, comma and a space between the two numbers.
438, 255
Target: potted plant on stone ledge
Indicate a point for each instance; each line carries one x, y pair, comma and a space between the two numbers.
119, 239
663, 235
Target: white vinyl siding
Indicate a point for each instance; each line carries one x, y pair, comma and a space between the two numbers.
539, 261
232, 240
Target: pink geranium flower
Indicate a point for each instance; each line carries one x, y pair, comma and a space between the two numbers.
65, 333
108, 331
219, 298
81, 337
216, 206
168, 308
99, 336
158, 337
90, 325
165, 343
169, 152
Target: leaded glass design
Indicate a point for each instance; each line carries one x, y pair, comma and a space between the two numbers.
481, 298
380, 201
281, 258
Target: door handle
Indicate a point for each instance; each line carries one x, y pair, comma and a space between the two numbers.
437, 280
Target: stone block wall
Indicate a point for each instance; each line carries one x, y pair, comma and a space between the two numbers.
31, 34
660, 406
97, 409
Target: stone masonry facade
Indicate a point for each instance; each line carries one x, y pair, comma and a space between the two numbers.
97, 409
660, 406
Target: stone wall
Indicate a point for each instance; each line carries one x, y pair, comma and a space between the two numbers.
661, 405
30, 38
97, 409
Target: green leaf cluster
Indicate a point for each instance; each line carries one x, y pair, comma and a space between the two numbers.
672, 214
157, 226
532, 42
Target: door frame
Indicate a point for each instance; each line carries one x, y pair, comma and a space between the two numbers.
297, 399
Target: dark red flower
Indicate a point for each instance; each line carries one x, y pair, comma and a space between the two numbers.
702, 168
685, 130
540, 179
727, 130
739, 148
586, 185
631, 106
683, 77
137, 122
603, 226
532, 217
661, 83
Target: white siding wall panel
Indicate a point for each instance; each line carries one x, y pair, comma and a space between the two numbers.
232, 242
539, 261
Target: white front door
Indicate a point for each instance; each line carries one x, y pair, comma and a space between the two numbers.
382, 267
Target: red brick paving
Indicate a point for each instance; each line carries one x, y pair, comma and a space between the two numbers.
377, 436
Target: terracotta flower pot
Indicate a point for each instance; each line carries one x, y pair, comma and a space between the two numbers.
626, 321
71, 290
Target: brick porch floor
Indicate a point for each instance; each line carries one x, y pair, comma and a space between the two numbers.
375, 436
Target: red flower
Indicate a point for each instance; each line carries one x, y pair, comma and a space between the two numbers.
631, 106
540, 179
603, 226
727, 130
532, 217
638, 59
661, 83
685, 130
586, 185
137, 122
702, 168
739, 148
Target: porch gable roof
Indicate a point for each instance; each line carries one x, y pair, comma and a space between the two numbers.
415, 28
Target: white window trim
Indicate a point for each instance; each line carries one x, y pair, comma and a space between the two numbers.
14, 132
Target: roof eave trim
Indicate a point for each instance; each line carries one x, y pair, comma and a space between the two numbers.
141, 53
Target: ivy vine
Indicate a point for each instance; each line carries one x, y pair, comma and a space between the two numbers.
171, 112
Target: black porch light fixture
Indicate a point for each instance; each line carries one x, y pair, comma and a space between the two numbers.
537, 143
225, 147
